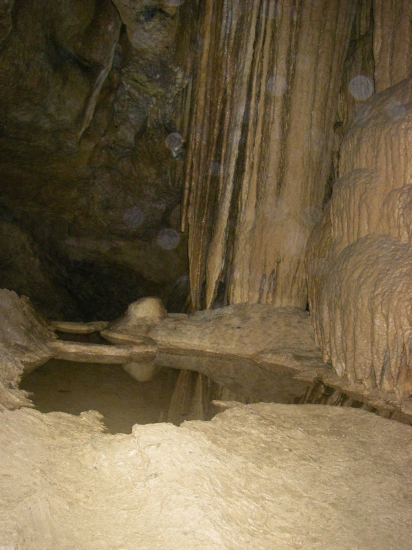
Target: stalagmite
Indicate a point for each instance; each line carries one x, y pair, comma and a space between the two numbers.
264, 100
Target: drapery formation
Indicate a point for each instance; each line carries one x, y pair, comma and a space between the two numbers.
264, 99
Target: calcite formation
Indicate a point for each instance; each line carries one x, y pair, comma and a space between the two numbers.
24, 341
360, 256
264, 98
392, 45
259, 477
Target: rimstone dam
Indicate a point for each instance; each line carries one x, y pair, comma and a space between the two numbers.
206, 275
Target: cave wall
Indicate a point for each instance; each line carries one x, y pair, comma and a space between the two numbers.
359, 256
295, 105
86, 105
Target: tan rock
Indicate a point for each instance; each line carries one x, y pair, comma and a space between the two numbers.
255, 350
360, 298
142, 371
242, 330
24, 339
136, 323
145, 308
78, 328
258, 477
98, 353
264, 101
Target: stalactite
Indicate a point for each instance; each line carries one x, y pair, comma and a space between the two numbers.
359, 67
265, 97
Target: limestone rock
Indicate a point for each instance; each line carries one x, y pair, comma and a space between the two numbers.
242, 330
84, 166
6, 7
24, 338
265, 96
142, 371
23, 331
359, 257
136, 323
28, 270
98, 353
257, 351
149, 308
150, 24
392, 42
259, 477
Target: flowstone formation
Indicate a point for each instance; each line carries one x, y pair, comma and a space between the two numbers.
259, 476
360, 255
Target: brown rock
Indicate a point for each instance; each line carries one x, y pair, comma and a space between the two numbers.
84, 166
264, 101
392, 46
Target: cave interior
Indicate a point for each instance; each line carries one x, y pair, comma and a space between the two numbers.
205, 213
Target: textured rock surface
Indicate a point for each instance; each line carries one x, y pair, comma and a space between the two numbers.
260, 144
242, 329
23, 346
25, 266
256, 350
257, 476
84, 166
392, 42
260, 352
359, 257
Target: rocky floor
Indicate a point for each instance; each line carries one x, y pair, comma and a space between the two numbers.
258, 476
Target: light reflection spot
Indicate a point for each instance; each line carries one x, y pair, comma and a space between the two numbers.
361, 87
168, 238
